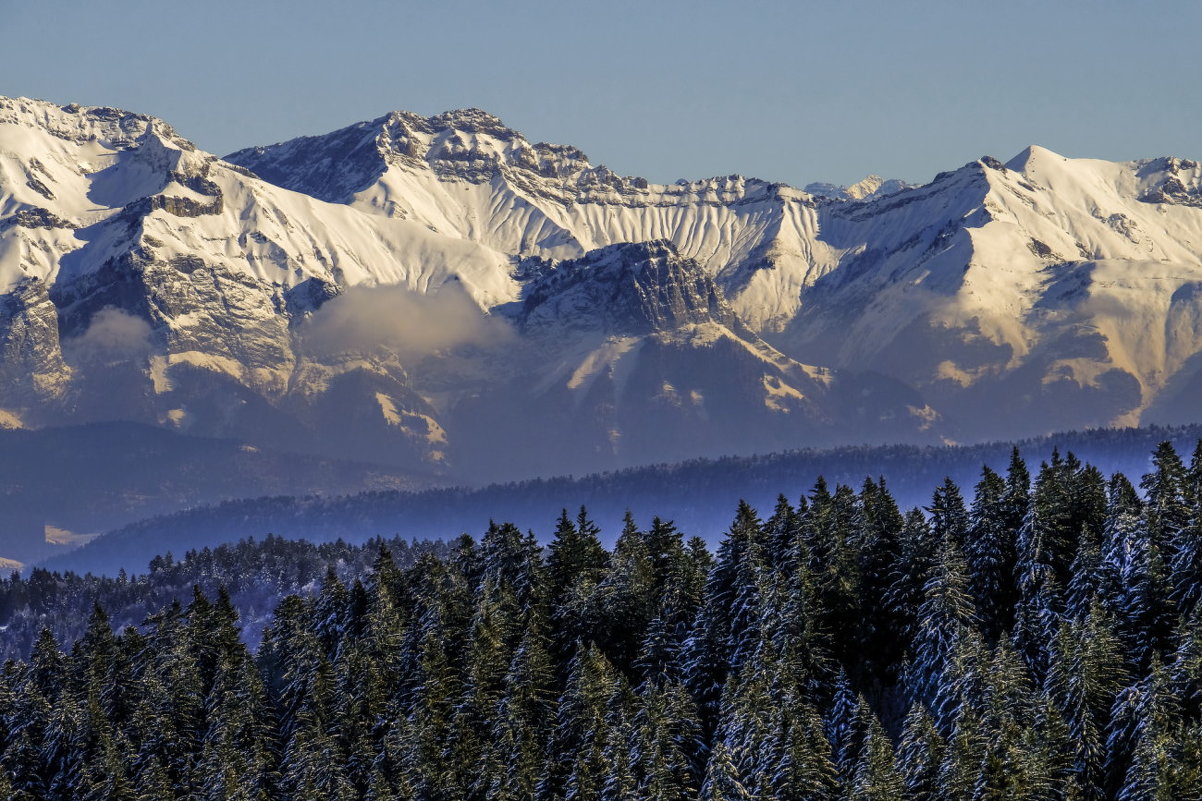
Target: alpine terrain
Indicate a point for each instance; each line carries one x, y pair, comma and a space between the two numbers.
442, 294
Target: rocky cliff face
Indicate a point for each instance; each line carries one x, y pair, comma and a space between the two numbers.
31, 360
441, 293
623, 290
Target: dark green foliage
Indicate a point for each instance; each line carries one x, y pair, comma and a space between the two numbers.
990, 551
257, 574
1037, 646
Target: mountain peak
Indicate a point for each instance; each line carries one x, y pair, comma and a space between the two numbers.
405, 126
471, 120
110, 126
1031, 156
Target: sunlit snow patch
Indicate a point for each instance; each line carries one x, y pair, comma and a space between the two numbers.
66, 538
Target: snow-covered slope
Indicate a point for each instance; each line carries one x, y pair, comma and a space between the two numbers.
1044, 293
120, 243
465, 174
441, 291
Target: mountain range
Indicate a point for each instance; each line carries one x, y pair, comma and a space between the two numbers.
441, 295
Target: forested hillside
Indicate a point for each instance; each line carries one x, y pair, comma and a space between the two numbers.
256, 576
1037, 639
122, 472
697, 495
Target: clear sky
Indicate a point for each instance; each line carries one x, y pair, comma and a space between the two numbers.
797, 91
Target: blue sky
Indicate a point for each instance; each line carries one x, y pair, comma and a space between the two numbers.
788, 91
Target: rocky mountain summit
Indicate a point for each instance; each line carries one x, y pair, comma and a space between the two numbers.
440, 293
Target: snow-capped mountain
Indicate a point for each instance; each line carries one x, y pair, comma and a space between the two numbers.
126, 251
464, 174
870, 187
1043, 293
440, 291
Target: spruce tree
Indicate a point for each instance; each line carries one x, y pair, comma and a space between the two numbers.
920, 755
1147, 743
1166, 510
624, 600
722, 780
668, 743
944, 640
1134, 577
989, 553
874, 777
880, 555
1186, 546
1086, 673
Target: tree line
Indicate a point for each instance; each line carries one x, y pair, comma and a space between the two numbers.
256, 574
1041, 640
697, 495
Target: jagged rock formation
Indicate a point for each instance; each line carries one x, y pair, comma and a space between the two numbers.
635, 288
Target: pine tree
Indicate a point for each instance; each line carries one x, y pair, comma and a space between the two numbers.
705, 664
575, 564
1186, 546
620, 782
577, 771
804, 766
1085, 584
331, 612
151, 782
308, 770
624, 601
1084, 677
434, 689
6, 787
575, 555
668, 743
722, 781
948, 515
907, 585
990, 555
486, 665
880, 556
1186, 670
944, 643
1135, 578
966, 750
235, 758
746, 722
920, 755
1016, 761
781, 532
844, 725
1069, 498
302, 676
1017, 499
1148, 732
875, 778
832, 526
1166, 511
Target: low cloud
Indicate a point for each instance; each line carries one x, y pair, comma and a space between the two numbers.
368, 319
112, 334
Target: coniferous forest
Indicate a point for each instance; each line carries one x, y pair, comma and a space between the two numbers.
1037, 637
